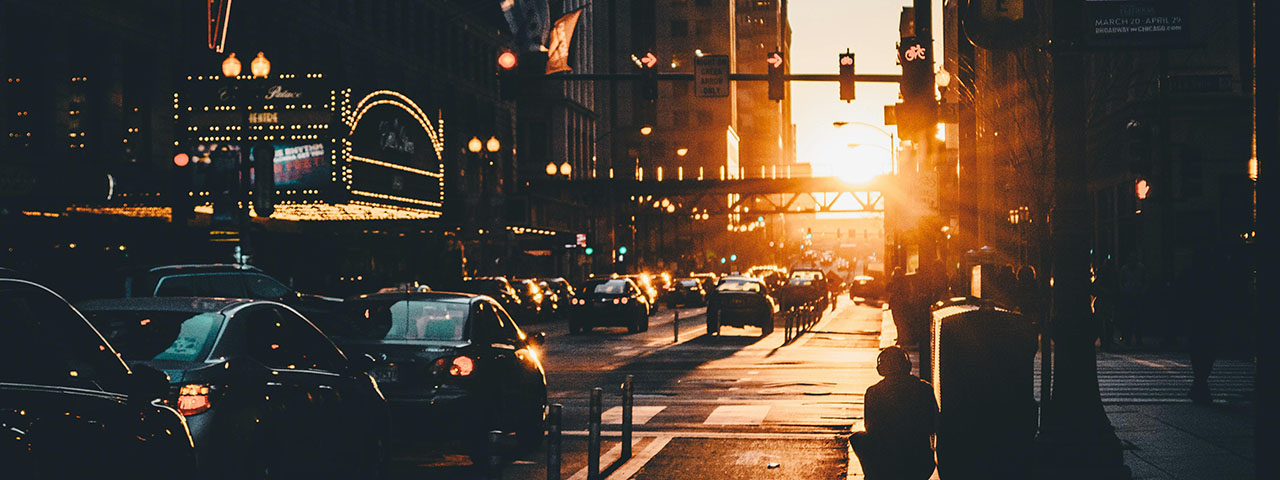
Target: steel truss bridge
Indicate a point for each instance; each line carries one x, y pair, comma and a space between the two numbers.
749, 196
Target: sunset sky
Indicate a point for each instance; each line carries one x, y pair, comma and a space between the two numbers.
821, 30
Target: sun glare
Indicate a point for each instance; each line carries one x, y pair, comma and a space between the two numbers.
855, 164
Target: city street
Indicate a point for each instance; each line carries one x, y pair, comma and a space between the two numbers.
731, 406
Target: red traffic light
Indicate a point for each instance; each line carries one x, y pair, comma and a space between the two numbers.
181, 159
1141, 188
649, 60
846, 59
507, 60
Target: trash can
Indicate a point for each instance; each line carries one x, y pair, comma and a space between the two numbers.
983, 357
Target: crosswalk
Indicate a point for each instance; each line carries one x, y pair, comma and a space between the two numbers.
1148, 378
818, 416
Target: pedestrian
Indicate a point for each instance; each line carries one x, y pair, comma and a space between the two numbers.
1105, 289
834, 285
899, 294
1027, 294
1217, 299
900, 418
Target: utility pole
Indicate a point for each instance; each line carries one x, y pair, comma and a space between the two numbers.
1076, 438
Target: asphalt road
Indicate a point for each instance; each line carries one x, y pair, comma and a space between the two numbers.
706, 407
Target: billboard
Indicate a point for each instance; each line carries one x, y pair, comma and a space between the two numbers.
301, 166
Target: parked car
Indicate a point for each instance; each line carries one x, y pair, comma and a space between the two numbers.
806, 284
500, 289
226, 280
686, 291
264, 392
610, 302
69, 407
741, 301
532, 294
454, 365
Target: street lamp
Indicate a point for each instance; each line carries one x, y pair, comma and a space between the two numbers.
565, 168
646, 130
231, 66
474, 145
682, 151
551, 168
260, 66
893, 143
492, 145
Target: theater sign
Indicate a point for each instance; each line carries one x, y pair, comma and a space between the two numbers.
337, 154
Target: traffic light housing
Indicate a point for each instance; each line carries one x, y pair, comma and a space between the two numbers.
180, 186
777, 70
264, 179
647, 108
847, 84
508, 75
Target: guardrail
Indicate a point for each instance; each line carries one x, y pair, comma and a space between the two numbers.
800, 318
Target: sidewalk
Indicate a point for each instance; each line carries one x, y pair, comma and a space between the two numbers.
1171, 441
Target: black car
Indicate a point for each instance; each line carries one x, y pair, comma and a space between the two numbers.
227, 280
741, 301
610, 302
453, 365
265, 393
869, 287
535, 301
562, 298
498, 288
69, 407
686, 291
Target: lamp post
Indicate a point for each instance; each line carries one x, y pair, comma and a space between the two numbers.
893, 142
231, 69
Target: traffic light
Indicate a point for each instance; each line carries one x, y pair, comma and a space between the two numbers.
647, 110
847, 84
733, 258
180, 187
508, 75
622, 250
589, 250
777, 84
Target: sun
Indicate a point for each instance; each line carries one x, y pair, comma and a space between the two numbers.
857, 163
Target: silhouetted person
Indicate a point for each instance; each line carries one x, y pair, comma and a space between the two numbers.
1220, 297
899, 292
900, 417
834, 285
1106, 288
1129, 312
1027, 294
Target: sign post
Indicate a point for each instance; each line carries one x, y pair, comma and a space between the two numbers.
711, 76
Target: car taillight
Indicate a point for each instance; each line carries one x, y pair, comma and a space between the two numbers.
460, 366
624, 300
193, 399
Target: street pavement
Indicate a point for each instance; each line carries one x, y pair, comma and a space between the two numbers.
737, 406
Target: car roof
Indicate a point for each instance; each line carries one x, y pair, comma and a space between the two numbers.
454, 297
205, 267
170, 304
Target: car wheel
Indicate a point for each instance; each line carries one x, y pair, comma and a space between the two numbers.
713, 325
531, 432
644, 324
634, 327
767, 327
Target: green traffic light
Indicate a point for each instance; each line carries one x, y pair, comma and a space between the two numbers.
733, 258
721, 259
589, 251
622, 250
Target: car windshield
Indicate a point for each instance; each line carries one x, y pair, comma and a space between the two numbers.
158, 335
739, 286
612, 287
404, 320
809, 274
801, 281
688, 283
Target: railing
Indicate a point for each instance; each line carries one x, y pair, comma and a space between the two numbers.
801, 318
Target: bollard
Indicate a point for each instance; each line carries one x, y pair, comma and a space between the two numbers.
593, 436
553, 441
627, 402
675, 325
494, 471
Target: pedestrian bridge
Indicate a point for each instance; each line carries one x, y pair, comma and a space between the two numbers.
760, 196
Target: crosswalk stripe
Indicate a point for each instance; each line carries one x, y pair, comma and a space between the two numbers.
738, 415
640, 415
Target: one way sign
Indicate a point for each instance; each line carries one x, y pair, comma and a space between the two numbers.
711, 76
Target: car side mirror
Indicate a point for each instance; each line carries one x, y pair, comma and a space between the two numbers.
363, 363
144, 384
536, 340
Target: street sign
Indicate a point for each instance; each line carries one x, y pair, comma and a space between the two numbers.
711, 76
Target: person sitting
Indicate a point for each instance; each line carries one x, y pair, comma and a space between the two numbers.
900, 417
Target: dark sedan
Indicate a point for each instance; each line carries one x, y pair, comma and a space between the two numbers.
536, 301
741, 302
610, 302
454, 365
500, 289
265, 393
686, 291
69, 407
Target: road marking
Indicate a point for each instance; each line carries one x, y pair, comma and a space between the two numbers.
713, 434
637, 462
738, 415
639, 415
606, 459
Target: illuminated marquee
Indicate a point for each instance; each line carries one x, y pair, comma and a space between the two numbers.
394, 153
